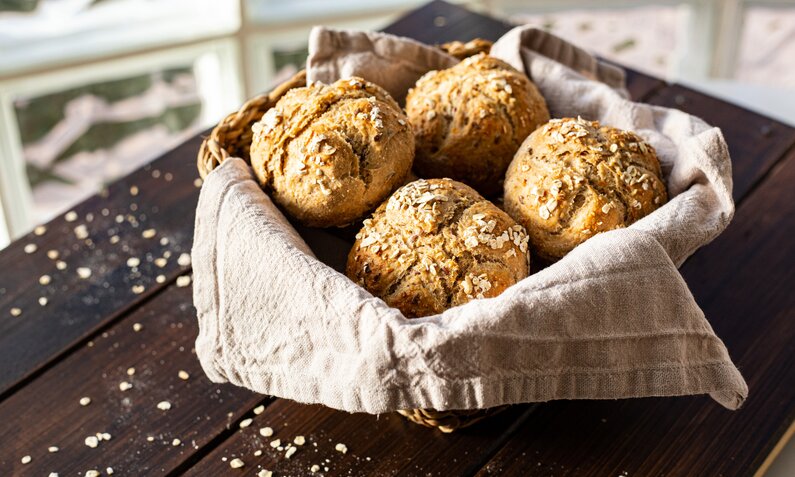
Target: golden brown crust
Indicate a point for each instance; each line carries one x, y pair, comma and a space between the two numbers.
329, 154
573, 178
464, 50
436, 244
470, 119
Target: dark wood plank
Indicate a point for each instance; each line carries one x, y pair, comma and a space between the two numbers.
376, 445
78, 307
47, 411
439, 22
755, 142
743, 281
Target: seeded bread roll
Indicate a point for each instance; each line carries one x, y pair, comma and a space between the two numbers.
573, 178
465, 50
436, 244
329, 154
470, 119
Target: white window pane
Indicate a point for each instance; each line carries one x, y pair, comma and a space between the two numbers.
78, 139
767, 47
645, 38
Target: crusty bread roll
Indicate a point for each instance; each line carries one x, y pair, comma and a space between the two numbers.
573, 178
436, 244
470, 119
464, 50
329, 154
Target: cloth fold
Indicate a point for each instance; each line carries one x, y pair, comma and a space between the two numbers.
613, 319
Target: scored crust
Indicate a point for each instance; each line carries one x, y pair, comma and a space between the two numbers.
436, 244
574, 178
329, 154
470, 119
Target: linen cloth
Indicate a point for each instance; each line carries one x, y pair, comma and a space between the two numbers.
613, 319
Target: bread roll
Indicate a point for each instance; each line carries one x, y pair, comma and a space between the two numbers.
329, 154
470, 119
436, 244
573, 178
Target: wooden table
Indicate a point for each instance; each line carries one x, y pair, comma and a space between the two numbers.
134, 323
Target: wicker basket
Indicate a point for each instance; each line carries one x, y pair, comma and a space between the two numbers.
448, 421
232, 138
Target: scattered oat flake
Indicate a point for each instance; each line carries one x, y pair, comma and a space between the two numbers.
92, 441
83, 272
134, 190
161, 262
70, 216
26, 459
124, 385
245, 423
265, 473
265, 431
137, 327
184, 260
53, 474
341, 448
314, 468
138, 289
60, 265
130, 371
290, 451
53, 449
299, 440
85, 401
81, 231
183, 281
236, 463
31, 248
259, 409
150, 439
160, 279
133, 262
257, 452
276, 443
197, 182
45, 280
16, 311
92, 473
109, 471
176, 442
52, 254
184, 376
43, 301
148, 233
40, 230
164, 405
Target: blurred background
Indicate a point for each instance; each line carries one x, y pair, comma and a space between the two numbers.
92, 89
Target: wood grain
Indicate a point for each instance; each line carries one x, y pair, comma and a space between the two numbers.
376, 445
47, 412
78, 307
743, 282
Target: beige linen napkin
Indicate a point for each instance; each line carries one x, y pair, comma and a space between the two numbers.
613, 319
